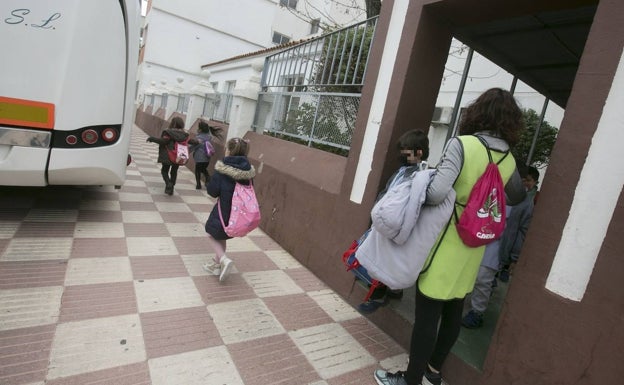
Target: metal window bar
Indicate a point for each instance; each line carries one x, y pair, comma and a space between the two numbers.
209, 106
223, 105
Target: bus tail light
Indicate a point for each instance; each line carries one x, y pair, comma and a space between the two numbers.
71, 140
87, 137
109, 134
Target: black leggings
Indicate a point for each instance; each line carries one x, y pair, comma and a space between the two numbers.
430, 344
201, 168
169, 173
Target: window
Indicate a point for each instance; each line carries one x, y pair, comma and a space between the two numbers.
289, 3
229, 86
278, 38
315, 25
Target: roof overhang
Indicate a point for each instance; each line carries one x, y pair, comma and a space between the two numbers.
540, 46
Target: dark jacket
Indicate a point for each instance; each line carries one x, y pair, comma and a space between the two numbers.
230, 170
167, 141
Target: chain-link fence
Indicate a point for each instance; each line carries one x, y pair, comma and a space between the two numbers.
320, 120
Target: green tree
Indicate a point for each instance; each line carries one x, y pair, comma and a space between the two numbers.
543, 145
373, 8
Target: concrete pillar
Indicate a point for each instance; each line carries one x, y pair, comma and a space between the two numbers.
245, 97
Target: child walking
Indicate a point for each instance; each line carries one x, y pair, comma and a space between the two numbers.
205, 133
234, 167
175, 133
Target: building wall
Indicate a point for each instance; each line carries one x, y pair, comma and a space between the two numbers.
185, 35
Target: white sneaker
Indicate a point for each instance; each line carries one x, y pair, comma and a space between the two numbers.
212, 267
226, 266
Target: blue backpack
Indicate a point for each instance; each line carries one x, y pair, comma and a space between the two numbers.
353, 265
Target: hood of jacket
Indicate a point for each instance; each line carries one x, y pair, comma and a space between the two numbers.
236, 167
177, 135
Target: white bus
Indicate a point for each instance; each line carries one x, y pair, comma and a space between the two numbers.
67, 90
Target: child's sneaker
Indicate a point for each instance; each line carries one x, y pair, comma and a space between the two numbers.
212, 267
226, 266
372, 305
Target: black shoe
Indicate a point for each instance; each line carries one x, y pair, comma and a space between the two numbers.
472, 320
432, 378
395, 294
198, 187
169, 189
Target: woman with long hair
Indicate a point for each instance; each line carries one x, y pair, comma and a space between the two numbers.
495, 118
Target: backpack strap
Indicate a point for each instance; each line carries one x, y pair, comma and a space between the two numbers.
484, 143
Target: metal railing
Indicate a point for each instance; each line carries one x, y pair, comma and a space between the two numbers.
216, 106
183, 103
311, 92
337, 60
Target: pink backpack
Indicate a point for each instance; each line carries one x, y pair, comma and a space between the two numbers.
245, 213
483, 218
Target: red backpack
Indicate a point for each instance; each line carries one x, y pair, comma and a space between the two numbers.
179, 152
245, 212
483, 218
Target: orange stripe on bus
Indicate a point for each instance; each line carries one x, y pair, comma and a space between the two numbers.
26, 113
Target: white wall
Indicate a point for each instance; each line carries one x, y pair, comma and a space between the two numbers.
183, 36
245, 19
342, 13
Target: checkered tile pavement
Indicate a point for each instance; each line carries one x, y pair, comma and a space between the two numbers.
99, 285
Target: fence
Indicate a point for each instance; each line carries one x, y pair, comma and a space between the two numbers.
317, 119
311, 92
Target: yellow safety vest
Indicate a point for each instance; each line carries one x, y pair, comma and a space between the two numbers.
453, 266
